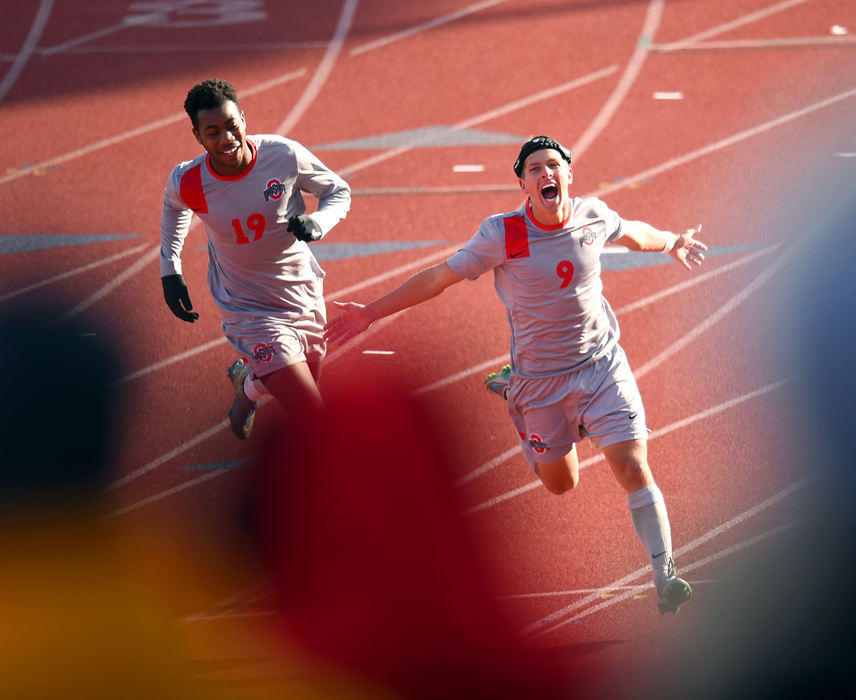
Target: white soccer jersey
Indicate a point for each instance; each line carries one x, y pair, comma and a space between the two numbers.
548, 277
256, 268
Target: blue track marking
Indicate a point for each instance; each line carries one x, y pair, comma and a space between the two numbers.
427, 137
620, 258
20, 242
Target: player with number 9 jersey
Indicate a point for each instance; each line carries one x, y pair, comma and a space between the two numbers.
548, 278
569, 378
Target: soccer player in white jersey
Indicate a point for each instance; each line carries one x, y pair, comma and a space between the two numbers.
248, 192
568, 377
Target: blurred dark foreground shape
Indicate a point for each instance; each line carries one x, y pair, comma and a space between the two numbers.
373, 562
78, 621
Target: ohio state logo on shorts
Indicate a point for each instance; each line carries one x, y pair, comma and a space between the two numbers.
537, 444
274, 189
263, 353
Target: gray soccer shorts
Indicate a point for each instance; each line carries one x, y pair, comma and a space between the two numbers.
268, 343
600, 400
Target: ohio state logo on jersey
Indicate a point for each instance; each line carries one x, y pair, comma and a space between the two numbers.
274, 189
263, 353
588, 236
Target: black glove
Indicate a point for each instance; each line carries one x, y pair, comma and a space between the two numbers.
177, 298
304, 228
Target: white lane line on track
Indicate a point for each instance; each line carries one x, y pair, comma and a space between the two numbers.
119, 138
489, 466
694, 280
538, 627
786, 42
628, 77
133, 133
349, 170
26, 51
607, 596
183, 48
74, 272
231, 606
187, 354
424, 27
163, 459
728, 141
566, 594
168, 492
707, 413
104, 143
641, 588
322, 72
728, 26
715, 317
126, 274
660, 432
97, 34
72, 45
644, 174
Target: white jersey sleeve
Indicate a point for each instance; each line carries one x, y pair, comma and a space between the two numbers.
483, 252
175, 223
331, 191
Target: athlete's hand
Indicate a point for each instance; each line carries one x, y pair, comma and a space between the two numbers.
687, 250
177, 298
304, 228
353, 320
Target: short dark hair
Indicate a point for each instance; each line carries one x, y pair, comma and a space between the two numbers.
209, 94
536, 144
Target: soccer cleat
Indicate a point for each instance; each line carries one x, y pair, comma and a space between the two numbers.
672, 594
497, 382
242, 415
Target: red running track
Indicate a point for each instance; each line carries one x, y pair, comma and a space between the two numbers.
732, 114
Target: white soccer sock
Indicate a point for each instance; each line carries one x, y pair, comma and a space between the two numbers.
648, 510
253, 388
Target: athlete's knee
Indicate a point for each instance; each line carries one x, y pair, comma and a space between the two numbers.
629, 463
558, 488
557, 478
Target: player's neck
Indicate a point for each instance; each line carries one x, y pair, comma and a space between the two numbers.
550, 217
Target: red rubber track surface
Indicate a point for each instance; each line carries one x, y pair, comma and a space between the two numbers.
93, 124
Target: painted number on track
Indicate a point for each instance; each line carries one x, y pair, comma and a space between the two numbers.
195, 13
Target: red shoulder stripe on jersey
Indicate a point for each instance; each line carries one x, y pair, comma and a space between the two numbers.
516, 237
191, 191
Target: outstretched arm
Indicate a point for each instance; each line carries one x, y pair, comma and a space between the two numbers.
424, 285
640, 236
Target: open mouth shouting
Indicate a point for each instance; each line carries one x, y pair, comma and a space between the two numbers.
550, 193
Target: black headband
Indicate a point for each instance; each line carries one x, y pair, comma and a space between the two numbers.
537, 144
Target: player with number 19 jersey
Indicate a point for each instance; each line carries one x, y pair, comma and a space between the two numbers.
548, 278
256, 267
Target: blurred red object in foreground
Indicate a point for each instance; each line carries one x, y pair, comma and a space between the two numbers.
375, 569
